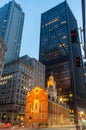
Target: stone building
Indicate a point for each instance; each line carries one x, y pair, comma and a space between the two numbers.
15, 81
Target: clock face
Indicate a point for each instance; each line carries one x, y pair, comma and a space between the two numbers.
37, 90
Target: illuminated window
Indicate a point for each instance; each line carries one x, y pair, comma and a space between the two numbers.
63, 44
63, 22
36, 106
71, 111
0, 83
2, 78
5, 21
54, 20
85, 74
70, 95
64, 37
60, 89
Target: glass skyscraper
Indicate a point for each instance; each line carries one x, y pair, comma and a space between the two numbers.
59, 54
11, 27
84, 22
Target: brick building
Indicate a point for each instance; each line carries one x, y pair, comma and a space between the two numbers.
42, 107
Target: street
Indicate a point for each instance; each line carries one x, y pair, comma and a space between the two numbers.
59, 128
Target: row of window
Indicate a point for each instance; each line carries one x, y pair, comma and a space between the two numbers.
36, 105
43, 116
56, 108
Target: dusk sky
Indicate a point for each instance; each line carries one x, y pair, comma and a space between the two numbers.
31, 30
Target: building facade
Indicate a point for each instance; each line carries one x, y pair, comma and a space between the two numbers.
58, 52
84, 67
42, 111
58, 114
11, 27
84, 22
38, 74
38, 71
15, 81
36, 106
2, 55
58, 111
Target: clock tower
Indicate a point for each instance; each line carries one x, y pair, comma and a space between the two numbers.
51, 88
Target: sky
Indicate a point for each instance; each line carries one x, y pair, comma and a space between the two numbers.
31, 30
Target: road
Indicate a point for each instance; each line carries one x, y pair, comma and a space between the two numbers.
61, 128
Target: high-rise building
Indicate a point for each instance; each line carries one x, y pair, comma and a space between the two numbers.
84, 67
2, 54
38, 71
15, 82
11, 27
84, 22
60, 52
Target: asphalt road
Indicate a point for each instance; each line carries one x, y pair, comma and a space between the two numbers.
62, 128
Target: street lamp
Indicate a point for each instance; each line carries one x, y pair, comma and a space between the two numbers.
81, 113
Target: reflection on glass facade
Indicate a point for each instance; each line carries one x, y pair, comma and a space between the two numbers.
11, 26
57, 52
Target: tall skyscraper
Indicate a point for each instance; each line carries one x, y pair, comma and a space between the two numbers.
84, 22
11, 27
2, 53
59, 52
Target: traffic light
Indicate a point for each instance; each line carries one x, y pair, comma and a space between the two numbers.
73, 36
78, 61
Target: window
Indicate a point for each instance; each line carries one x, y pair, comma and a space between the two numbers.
42, 116
43, 105
30, 116
36, 116
63, 22
36, 106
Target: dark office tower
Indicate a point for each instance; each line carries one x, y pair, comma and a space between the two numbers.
11, 26
60, 52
